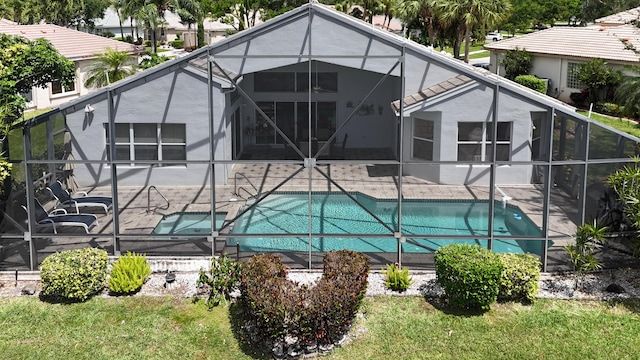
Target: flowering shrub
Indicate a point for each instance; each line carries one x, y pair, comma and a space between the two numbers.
5, 172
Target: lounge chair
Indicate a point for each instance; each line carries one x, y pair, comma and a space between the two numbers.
64, 199
53, 220
337, 149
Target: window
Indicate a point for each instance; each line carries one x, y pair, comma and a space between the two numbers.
572, 76
475, 141
422, 139
325, 82
57, 88
149, 142
274, 82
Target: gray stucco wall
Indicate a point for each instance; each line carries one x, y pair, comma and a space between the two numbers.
176, 97
473, 104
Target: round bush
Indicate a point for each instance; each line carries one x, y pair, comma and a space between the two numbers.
520, 276
74, 274
469, 274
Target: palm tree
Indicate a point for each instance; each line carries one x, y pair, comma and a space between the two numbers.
109, 67
190, 12
149, 18
390, 8
475, 13
628, 92
424, 11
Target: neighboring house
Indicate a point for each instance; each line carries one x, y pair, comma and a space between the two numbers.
172, 29
112, 23
77, 46
558, 50
214, 31
624, 17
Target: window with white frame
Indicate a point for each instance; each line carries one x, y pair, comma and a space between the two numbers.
422, 139
475, 141
139, 142
58, 89
572, 76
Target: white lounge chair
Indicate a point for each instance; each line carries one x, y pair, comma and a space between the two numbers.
59, 217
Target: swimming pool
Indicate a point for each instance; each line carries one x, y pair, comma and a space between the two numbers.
188, 223
337, 214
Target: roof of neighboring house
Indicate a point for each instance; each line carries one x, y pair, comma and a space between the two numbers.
606, 43
72, 44
7, 22
621, 18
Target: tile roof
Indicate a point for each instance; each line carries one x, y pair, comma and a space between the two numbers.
432, 91
621, 18
579, 42
72, 44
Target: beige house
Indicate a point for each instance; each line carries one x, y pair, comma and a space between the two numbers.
558, 50
77, 46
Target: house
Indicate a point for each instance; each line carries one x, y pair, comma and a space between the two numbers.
172, 28
622, 18
558, 50
77, 46
315, 101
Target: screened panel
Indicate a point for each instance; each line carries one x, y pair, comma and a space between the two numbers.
606, 144
568, 139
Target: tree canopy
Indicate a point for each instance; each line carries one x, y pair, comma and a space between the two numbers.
25, 64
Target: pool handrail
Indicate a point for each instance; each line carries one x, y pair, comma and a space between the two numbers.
149, 198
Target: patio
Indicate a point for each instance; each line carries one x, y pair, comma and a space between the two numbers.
141, 208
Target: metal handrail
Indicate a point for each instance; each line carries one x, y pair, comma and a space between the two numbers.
149, 198
235, 187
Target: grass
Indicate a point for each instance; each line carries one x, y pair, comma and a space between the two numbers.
627, 126
396, 327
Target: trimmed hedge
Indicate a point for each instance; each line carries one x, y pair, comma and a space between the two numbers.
129, 273
276, 308
520, 276
532, 82
74, 274
469, 274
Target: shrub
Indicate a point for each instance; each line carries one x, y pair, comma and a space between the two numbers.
129, 273
532, 82
609, 108
520, 275
177, 44
516, 62
222, 278
276, 308
395, 278
74, 274
146, 43
589, 237
469, 274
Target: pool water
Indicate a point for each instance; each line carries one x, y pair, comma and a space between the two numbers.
188, 223
337, 214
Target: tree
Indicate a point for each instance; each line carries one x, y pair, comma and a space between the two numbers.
516, 62
190, 12
243, 14
109, 67
475, 13
598, 78
628, 92
25, 64
422, 12
149, 18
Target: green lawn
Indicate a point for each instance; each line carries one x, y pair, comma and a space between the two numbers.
627, 126
396, 328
